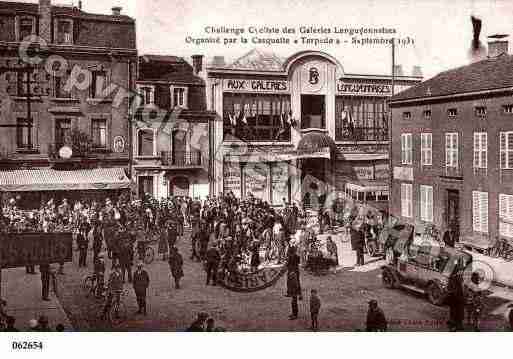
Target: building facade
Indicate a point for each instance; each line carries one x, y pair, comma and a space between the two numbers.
64, 121
298, 129
171, 132
452, 152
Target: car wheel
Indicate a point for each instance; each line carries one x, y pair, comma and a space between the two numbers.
435, 294
388, 278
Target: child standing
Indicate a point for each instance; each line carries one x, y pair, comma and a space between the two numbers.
315, 306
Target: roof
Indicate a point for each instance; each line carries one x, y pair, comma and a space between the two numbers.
488, 74
162, 58
167, 68
54, 180
258, 60
61, 10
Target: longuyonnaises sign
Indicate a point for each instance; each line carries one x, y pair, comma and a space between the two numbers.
21, 249
267, 86
363, 89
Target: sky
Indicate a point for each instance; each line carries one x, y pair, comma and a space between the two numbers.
441, 30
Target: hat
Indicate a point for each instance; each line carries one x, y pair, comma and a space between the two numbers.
32, 324
373, 302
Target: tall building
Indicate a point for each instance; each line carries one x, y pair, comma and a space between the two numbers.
64, 111
171, 128
452, 150
299, 128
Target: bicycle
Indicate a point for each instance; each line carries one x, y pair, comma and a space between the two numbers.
117, 312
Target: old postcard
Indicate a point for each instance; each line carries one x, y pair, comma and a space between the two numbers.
255, 166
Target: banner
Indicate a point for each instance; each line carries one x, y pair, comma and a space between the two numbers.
21, 249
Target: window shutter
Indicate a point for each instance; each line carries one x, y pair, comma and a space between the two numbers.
506, 215
484, 150
403, 148
484, 212
455, 150
410, 148
476, 223
509, 150
503, 149
429, 142
448, 139
477, 148
422, 202
430, 204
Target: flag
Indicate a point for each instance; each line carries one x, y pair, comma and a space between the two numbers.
233, 120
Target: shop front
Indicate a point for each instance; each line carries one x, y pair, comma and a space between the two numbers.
297, 129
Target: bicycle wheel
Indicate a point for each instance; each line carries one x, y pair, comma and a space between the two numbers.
88, 285
117, 313
149, 255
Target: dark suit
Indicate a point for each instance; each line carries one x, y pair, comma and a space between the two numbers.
45, 280
357, 244
82, 243
213, 259
141, 282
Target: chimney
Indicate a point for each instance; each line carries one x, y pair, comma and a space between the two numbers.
197, 63
218, 61
45, 20
116, 10
497, 45
416, 71
79, 5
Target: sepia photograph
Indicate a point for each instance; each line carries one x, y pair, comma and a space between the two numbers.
255, 166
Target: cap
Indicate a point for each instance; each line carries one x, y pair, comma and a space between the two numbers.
373, 302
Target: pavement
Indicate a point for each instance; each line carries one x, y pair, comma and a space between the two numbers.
23, 295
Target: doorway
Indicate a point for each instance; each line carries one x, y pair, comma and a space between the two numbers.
453, 211
313, 111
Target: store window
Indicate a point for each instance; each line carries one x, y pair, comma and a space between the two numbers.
145, 186
256, 180
480, 211
360, 119
256, 118
232, 178
99, 132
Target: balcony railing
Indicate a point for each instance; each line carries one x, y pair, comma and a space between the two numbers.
181, 159
79, 150
453, 172
361, 134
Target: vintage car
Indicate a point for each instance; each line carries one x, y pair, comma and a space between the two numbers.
425, 266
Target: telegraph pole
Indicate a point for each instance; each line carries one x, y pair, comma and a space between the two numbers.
391, 167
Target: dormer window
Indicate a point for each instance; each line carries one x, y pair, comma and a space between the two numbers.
407, 115
64, 31
427, 114
480, 111
452, 112
26, 27
179, 96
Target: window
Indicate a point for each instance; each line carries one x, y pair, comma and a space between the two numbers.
99, 133
426, 203
62, 132
406, 149
426, 152
179, 96
406, 200
256, 118
22, 83
25, 27
451, 149
145, 186
59, 83
64, 31
508, 109
361, 119
147, 94
98, 83
506, 150
24, 133
480, 111
145, 142
480, 211
427, 114
480, 149
506, 215
406, 115
452, 112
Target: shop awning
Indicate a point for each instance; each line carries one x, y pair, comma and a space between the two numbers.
53, 180
316, 144
367, 186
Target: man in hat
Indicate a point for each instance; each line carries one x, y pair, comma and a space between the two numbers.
44, 269
357, 240
213, 258
376, 321
176, 266
141, 283
82, 243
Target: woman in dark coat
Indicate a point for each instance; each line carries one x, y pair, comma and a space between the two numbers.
176, 265
293, 281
